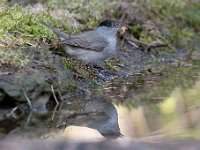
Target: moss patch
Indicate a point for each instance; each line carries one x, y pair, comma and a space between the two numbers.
14, 57
180, 18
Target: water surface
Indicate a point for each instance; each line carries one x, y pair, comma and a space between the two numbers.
154, 105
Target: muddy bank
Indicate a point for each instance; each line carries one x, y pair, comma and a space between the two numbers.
48, 73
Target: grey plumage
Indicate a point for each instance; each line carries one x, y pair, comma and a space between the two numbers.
91, 46
96, 114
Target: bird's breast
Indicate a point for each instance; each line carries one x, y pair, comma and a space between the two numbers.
112, 45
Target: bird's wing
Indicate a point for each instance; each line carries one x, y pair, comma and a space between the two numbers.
88, 40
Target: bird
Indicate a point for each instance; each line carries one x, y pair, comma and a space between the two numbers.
91, 46
96, 114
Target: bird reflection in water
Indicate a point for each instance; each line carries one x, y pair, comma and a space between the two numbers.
99, 115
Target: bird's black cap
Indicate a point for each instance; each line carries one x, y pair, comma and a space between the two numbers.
108, 23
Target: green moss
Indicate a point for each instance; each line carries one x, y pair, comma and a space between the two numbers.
18, 27
21, 22
14, 57
181, 18
196, 62
136, 30
79, 69
147, 37
112, 64
70, 87
18, 22
69, 64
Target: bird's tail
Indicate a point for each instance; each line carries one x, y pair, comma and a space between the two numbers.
60, 34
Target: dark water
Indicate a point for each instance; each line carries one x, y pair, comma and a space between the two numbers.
155, 105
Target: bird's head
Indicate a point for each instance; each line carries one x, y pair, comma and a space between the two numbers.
109, 24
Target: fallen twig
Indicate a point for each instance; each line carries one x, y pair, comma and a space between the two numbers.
12, 113
59, 95
28, 100
54, 95
147, 46
54, 111
28, 119
156, 45
133, 44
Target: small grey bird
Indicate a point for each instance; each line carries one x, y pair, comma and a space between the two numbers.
91, 46
96, 114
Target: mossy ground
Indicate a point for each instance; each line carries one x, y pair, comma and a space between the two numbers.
22, 26
180, 18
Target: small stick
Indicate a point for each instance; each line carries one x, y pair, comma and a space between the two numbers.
28, 119
28, 100
136, 43
12, 113
54, 112
156, 45
59, 95
133, 44
54, 95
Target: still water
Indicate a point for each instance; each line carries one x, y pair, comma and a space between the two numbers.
150, 106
